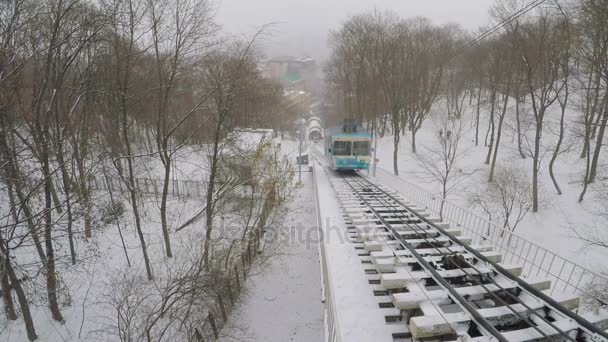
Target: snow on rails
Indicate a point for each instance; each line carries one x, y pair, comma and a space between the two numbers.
432, 284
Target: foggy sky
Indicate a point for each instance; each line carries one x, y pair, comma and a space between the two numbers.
303, 25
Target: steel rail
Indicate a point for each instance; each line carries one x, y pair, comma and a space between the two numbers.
441, 314
539, 249
491, 293
527, 320
475, 316
316, 157
550, 302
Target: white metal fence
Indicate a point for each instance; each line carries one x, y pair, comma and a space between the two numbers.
332, 331
536, 260
149, 186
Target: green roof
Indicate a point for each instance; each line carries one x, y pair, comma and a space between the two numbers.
292, 78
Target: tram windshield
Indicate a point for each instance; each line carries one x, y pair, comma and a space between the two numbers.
342, 148
361, 148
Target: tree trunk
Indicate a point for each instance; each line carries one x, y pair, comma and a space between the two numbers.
122, 240
596, 124
599, 140
470, 96
210, 196
84, 190
67, 189
587, 168
396, 139
478, 112
444, 194
492, 127
559, 140
55, 197
7, 295
32, 226
535, 165
498, 135
519, 135
375, 130
23, 302
132, 189
591, 103
414, 130
51, 275
13, 172
163, 204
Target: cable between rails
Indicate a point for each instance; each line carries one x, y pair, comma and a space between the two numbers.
591, 329
415, 227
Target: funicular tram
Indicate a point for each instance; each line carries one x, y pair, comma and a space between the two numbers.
348, 146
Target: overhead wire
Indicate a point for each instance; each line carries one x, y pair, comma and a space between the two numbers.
497, 27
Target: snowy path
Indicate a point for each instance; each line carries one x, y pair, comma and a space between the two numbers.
283, 301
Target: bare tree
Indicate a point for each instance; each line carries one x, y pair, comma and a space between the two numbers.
439, 160
174, 38
507, 199
429, 50
478, 60
563, 95
593, 53
457, 88
500, 69
223, 72
126, 20
540, 45
404, 60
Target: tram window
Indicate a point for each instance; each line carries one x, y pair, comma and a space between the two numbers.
342, 148
361, 148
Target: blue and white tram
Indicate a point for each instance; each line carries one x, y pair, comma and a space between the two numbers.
348, 147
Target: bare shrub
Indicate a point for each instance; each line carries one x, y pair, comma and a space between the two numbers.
439, 159
506, 200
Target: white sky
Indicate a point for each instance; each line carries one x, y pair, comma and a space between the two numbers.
303, 25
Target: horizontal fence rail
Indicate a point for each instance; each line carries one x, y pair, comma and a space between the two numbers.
219, 308
150, 186
536, 260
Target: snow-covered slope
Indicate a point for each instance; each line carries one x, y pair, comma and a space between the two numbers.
559, 217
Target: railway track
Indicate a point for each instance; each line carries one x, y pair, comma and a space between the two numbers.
441, 287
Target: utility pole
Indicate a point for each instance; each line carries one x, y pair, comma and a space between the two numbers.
301, 131
300, 158
375, 149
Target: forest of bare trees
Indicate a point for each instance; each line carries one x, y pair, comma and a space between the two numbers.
101, 99
390, 72
93, 92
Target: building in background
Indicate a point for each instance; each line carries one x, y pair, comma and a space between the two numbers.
299, 74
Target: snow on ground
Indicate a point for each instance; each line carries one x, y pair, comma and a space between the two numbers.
101, 261
283, 299
552, 226
190, 163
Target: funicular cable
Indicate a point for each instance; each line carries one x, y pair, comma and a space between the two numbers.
475, 316
437, 308
590, 331
491, 293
